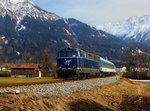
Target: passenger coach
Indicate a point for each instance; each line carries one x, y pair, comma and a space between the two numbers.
76, 63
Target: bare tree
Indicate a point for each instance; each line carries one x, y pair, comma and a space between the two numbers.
27, 57
47, 61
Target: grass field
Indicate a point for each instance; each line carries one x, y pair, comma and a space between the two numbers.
17, 81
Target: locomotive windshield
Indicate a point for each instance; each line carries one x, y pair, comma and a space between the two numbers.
70, 53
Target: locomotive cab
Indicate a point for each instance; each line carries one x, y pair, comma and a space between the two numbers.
67, 62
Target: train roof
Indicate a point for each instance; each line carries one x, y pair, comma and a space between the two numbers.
68, 48
106, 60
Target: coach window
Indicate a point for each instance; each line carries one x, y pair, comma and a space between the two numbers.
95, 58
79, 53
85, 55
90, 56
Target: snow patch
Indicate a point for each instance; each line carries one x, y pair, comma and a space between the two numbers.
45, 17
123, 48
4, 6
102, 35
6, 41
68, 33
66, 41
22, 28
3, 37
74, 24
65, 20
18, 53
17, 1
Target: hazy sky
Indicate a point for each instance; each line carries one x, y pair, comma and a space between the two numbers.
95, 12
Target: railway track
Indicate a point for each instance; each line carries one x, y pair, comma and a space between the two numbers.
61, 88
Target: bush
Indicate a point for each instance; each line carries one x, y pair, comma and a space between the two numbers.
5, 74
148, 74
137, 75
127, 75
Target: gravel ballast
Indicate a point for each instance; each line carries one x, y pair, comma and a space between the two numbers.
64, 88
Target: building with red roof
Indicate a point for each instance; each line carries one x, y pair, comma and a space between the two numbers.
22, 70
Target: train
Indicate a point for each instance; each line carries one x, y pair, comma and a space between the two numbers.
75, 63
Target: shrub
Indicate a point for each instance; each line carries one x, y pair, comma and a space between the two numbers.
5, 74
137, 75
127, 75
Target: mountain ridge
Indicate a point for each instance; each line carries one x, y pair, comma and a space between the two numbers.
134, 28
29, 28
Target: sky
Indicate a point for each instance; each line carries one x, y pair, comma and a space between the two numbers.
96, 12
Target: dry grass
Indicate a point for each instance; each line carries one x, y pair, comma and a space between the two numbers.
122, 96
21, 81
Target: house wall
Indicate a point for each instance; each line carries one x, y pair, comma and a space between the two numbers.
24, 72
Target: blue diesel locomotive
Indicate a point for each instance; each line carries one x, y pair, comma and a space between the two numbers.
73, 63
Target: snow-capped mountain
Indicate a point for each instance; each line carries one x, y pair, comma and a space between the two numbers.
26, 27
23, 8
135, 28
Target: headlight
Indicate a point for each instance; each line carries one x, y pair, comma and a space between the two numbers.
74, 67
60, 67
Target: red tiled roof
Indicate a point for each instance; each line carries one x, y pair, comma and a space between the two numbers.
30, 66
23, 65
